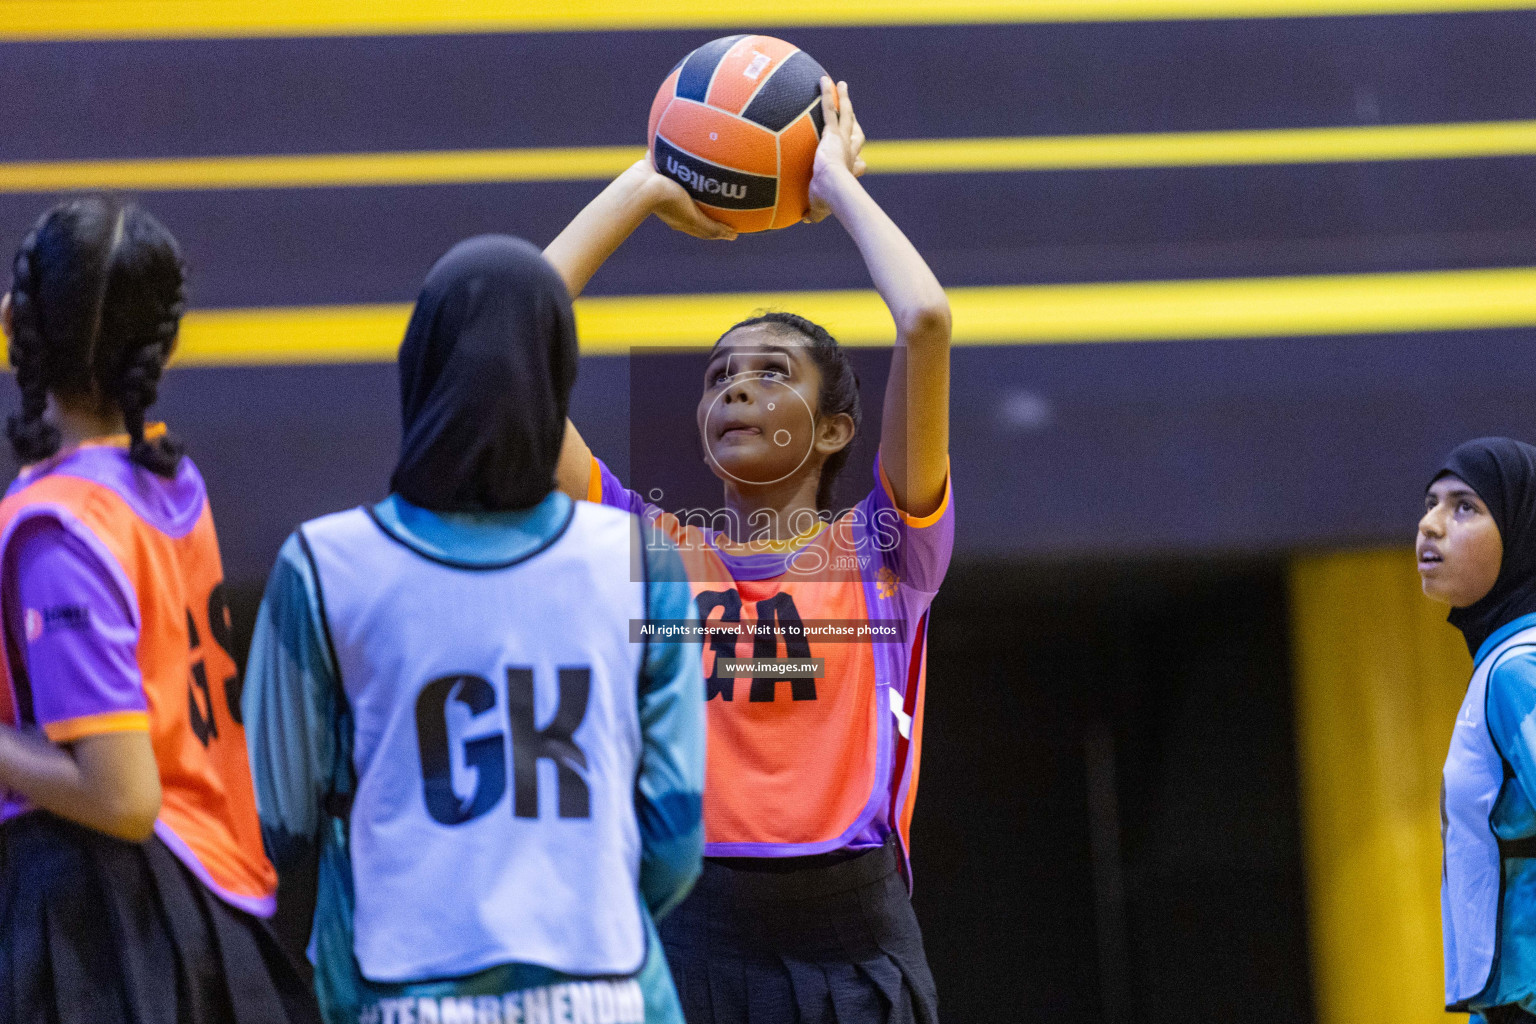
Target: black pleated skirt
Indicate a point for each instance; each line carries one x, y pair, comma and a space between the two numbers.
95, 929
828, 943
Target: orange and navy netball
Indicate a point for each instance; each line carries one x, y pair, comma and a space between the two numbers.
736, 123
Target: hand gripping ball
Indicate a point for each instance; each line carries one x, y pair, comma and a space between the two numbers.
736, 123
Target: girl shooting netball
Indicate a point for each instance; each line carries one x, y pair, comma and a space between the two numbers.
801, 913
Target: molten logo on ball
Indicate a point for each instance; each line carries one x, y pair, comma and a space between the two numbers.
696, 182
712, 185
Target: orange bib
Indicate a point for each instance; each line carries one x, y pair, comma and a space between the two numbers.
795, 766
208, 806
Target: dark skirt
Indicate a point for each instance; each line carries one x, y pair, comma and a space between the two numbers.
782, 943
96, 929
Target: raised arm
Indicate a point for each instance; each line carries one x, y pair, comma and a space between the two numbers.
914, 433
587, 242
604, 223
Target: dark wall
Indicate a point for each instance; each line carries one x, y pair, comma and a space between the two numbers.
70, 101
392, 92
1107, 826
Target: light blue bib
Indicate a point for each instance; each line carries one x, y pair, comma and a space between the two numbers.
1472, 883
497, 741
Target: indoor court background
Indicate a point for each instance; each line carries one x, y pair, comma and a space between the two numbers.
1229, 277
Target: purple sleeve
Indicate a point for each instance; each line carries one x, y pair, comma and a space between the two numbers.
605, 489
80, 633
913, 552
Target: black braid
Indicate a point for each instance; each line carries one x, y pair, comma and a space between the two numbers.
32, 438
137, 388
139, 331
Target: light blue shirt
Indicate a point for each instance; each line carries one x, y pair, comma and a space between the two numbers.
1512, 723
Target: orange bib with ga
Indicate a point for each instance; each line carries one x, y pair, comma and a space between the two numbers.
796, 766
208, 806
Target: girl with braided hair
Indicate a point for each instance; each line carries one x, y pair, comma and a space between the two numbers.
132, 874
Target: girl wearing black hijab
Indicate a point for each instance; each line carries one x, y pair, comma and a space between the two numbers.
1477, 552
443, 697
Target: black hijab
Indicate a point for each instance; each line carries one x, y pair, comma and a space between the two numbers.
486, 370
1503, 473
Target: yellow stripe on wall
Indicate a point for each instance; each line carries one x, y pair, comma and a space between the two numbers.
319, 170
909, 156
169, 19
1024, 314
1207, 149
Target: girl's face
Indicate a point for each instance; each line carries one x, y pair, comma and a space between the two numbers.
1459, 548
758, 416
